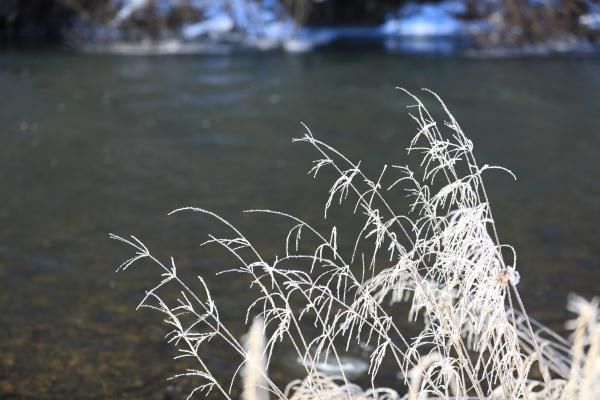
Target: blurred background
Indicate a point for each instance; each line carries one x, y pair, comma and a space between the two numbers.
113, 113
497, 27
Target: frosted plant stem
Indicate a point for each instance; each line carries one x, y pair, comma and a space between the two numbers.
537, 349
459, 349
443, 256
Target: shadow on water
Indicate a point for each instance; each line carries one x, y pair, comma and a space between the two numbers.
96, 144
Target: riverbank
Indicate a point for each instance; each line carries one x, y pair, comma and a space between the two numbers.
484, 28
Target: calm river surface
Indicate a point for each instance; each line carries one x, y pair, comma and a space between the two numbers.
92, 144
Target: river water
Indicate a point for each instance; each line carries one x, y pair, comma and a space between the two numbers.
92, 144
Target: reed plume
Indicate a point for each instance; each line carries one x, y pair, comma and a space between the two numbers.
442, 256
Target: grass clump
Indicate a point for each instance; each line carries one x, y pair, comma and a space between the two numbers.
441, 256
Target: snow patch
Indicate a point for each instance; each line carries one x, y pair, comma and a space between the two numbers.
590, 21
423, 20
128, 8
218, 24
261, 23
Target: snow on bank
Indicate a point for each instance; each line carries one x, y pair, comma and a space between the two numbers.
158, 48
266, 25
127, 9
217, 26
429, 28
591, 21
427, 20
263, 24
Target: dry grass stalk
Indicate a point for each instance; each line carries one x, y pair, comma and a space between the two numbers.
442, 256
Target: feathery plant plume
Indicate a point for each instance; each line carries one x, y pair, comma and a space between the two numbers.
254, 370
584, 379
442, 256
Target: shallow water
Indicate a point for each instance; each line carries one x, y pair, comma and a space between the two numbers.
96, 144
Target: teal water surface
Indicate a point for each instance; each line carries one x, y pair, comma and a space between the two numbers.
92, 144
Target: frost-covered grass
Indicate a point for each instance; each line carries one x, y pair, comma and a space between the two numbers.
442, 256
